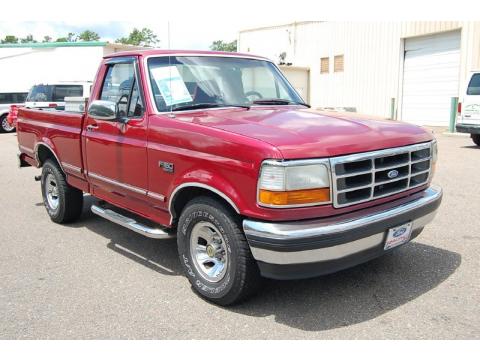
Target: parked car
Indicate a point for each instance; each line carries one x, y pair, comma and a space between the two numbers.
219, 150
469, 109
7, 99
53, 95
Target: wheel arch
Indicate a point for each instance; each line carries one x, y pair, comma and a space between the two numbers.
43, 152
185, 192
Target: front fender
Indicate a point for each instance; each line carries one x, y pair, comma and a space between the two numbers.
210, 181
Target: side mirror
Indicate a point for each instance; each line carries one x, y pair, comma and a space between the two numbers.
103, 110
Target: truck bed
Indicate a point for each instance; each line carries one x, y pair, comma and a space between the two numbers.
58, 130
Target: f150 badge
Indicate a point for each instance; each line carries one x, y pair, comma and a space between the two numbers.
166, 166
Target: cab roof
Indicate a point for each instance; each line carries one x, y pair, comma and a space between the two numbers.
160, 52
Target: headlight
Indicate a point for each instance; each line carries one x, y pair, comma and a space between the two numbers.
284, 185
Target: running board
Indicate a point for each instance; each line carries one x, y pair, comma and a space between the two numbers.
131, 224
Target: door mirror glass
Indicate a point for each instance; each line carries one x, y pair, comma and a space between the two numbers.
103, 110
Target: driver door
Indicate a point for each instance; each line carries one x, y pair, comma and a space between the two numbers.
116, 152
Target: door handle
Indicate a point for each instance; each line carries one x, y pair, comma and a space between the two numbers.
92, 127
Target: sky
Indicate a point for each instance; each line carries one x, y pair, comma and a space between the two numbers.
183, 34
196, 24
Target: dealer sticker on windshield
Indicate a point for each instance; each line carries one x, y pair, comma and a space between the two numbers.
398, 235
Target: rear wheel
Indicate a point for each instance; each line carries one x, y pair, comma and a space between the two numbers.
214, 252
476, 139
4, 125
63, 203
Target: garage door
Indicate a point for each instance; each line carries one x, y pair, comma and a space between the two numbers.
430, 78
298, 77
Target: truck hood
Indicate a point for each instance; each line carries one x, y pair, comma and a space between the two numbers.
301, 133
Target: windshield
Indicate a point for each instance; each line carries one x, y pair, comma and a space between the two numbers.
182, 81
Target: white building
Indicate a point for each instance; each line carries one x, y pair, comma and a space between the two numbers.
23, 65
406, 69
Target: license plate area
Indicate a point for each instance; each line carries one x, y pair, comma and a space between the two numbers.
398, 235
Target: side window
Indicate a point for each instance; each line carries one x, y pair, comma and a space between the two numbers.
5, 98
120, 86
474, 85
136, 105
60, 92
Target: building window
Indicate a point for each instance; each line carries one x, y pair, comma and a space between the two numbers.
324, 65
338, 63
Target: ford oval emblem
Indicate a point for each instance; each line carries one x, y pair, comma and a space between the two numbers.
392, 174
400, 232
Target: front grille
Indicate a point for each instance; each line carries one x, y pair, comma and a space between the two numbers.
363, 177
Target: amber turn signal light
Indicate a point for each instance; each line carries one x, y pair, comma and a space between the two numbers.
294, 197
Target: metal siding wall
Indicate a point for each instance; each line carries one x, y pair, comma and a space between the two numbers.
372, 55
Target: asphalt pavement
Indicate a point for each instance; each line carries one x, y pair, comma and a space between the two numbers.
96, 280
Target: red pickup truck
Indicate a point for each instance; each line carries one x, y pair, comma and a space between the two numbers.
218, 150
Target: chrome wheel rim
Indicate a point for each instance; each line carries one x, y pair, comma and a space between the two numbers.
5, 125
51, 192
209, 252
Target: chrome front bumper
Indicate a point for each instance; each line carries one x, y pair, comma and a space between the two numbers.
339, 240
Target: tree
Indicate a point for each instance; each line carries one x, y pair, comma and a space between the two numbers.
88, 35
220, 45
10, 39
69, 38
28, 39
144, 37
46, 39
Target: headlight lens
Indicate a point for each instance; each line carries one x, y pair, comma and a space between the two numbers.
289, 186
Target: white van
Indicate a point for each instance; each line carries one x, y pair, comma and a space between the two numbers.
469, 109
6, 100
53, 95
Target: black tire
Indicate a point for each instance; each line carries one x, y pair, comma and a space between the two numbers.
242, 277
70, 200
5, 127
476, 139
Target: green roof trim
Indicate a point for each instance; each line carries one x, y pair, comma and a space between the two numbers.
55, 44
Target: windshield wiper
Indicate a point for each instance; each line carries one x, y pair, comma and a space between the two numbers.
207, 105
278, 102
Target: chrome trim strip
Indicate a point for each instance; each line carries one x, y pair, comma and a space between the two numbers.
128, 186
131, 224
156, 196
26, 149
330, 226
72, 167
116, 183
329, 253
384, 152
199, 185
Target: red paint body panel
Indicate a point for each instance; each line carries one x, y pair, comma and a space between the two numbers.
221, 148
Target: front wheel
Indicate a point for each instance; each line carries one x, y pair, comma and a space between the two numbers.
5, 126
476, 139
214, 252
